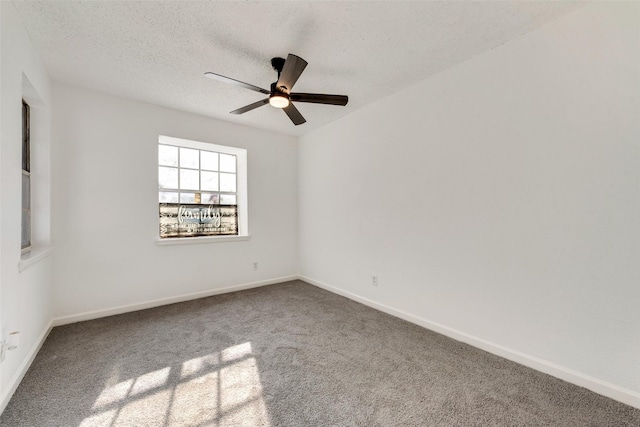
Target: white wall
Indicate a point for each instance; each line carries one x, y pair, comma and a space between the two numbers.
105, 202
24, 295
498, 201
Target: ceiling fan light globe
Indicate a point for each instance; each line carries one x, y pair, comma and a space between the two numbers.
279, 101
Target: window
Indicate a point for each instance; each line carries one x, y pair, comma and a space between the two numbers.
201, 189
26, 178
35, 176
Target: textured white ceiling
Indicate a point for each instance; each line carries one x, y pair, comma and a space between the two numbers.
157, 52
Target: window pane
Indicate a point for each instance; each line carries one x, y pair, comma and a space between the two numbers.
227, 199
209, 160
209, 181
228, 182
167, 197
227, 163
187, 197
26, 137
189, 158
167, 177
167, 155
210, 198
26, 211
189, 180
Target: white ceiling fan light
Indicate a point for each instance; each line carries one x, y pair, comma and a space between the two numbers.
279, 100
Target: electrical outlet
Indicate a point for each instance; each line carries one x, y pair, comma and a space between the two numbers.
374, 281
255, 265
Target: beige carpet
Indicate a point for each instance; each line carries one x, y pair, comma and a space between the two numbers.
285, 355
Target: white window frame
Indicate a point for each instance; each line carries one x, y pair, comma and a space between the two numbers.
241, 191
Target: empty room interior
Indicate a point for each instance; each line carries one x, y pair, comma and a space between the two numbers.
442, 226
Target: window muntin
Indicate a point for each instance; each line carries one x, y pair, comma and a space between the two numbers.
201, 189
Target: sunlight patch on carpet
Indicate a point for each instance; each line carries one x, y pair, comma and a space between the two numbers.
147, 410
221, 389
150, 381
114, 394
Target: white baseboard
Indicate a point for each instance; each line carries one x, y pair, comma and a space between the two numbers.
90, 315
604, 388
24, 367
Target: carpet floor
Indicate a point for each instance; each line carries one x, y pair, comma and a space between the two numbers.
288, 354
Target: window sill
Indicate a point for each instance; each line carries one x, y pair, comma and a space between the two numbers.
198, 240
33, 257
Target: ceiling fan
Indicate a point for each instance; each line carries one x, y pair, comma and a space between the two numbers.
280, 95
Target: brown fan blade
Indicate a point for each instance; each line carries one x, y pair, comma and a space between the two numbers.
224, 79
318, 98
294, 115
251, 106
293, 67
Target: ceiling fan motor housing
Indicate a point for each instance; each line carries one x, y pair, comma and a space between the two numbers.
278, 91
279, 98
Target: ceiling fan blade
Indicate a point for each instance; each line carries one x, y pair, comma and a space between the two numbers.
251, 106
293, 67
224, 79
294, 115
318, 98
